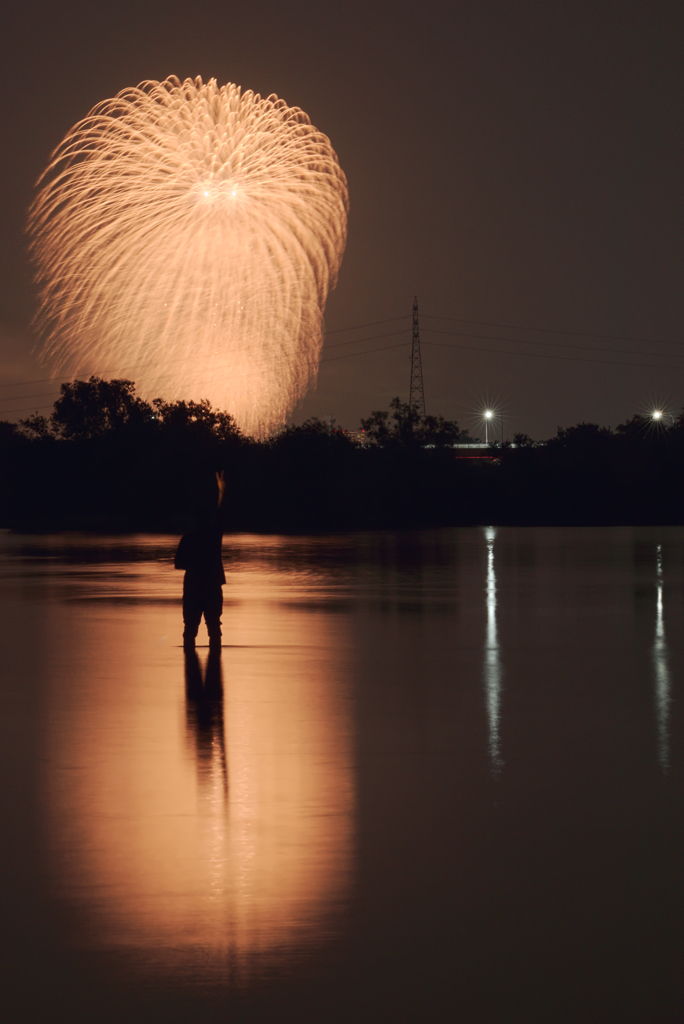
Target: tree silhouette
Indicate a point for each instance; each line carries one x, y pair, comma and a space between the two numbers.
402, 426
90, 408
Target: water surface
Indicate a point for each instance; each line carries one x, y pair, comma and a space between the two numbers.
426, 770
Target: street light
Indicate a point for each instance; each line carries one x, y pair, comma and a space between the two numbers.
488, 415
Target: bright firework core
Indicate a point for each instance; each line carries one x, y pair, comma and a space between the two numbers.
186, 236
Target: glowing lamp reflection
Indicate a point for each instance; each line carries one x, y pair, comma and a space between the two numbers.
663, 685
493, 672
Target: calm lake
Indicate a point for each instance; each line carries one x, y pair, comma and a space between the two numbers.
429, 776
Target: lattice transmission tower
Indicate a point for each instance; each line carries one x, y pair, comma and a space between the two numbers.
416, 391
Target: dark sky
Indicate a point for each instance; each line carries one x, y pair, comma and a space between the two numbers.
511, 163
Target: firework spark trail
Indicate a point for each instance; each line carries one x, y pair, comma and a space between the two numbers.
192, 223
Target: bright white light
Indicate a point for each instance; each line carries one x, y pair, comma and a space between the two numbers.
143, 257
657, 414
493, 671
488, 414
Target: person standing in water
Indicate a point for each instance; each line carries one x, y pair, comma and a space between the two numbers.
199, 555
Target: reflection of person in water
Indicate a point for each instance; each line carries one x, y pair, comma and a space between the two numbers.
199, 554
204, 715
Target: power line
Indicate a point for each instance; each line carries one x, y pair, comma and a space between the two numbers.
359, 341
349, 355
550, 355
33, 408
551, 344
555, 330
98, 373
25, 383
330, 359
373, 323
458, 334
26, 398
324, 359
132, 366
437, 344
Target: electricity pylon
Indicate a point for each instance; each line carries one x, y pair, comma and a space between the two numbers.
416, 391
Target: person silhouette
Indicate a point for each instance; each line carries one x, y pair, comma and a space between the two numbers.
199, 555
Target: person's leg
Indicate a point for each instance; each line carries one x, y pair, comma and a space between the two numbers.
213, 609
192, 615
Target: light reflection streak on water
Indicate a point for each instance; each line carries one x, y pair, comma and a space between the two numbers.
493, 673
231, 834
661, 670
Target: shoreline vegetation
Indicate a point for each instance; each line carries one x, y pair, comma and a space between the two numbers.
106, 461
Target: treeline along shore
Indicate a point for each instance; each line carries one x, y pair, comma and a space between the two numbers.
106, 461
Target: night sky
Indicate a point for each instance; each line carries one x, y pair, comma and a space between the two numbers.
518, 165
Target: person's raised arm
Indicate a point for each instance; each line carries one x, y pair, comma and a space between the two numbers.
221, 482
